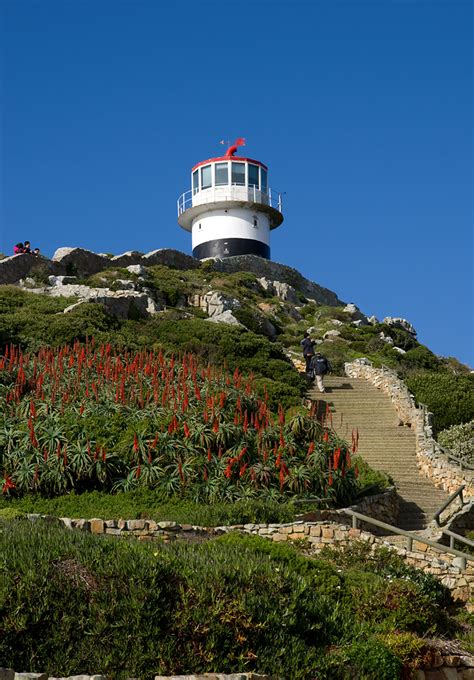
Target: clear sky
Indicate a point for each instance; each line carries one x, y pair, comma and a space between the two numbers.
361, 110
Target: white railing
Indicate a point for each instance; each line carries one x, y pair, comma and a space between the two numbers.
232, 192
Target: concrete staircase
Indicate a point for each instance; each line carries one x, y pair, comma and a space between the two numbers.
383, 443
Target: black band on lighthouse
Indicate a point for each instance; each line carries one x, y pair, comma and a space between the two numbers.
228, 247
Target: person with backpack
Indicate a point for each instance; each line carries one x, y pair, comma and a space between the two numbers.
318, 368
308, 349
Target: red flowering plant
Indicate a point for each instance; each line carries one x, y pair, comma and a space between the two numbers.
90, 417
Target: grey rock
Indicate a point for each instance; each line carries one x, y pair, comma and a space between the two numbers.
385, 338
124, 284
17, 267
136, 269
121, 304
336, 322
274, 271
279, 288
132, 257
399, 350
81, 261
214, 303
61, 280
398, 322
360, 322
226, 317
7, 674
373, 320
28, 282
329, 335
355, 312
170, 258
31, 676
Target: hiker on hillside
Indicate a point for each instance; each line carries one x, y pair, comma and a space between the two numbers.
319, 366
308, 349
27, 247
18, 249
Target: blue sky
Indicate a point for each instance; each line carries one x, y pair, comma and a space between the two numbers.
361, 110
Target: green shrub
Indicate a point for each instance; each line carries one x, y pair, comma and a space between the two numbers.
232, 603
449, 397
459, 439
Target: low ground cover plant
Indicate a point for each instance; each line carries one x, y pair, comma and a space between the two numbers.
233, 604
459, 439
88, 417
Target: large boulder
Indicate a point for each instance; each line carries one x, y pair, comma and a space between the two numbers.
132, 257
17, 267
355, 313
280, 289
225, 317
121, 304
214, 303
170, 258
397, 322
80, 262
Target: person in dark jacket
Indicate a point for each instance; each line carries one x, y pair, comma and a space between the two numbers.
319, 367
308, 349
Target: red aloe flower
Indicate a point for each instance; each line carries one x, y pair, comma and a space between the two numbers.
135, 443
186, 429
209, 455
310, 448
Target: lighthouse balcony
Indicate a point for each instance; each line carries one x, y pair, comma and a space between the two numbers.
194, 203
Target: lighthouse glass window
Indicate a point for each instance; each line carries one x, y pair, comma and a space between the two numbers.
263, 175
195, 181
253, 176
206, 177
222, 174
238, 174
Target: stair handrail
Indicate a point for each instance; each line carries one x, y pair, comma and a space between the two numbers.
448, 501
356, 516
453, 537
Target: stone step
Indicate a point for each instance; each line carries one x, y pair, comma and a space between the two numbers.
356, 405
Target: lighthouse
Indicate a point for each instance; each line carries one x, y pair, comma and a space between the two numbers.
230, 208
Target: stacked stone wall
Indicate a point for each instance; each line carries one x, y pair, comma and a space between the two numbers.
431, 460
316, 534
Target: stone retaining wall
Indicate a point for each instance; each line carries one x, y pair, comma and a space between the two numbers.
316, 534
431, 461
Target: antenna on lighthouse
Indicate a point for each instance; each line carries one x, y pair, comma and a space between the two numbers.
230, 209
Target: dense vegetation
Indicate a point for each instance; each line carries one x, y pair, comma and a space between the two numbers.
236, 603
86, 417
459, 439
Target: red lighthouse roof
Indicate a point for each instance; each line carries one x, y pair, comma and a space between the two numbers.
229, 155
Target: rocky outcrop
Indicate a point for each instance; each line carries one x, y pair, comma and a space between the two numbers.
356, 314
274, 271
397, 322
225, 317
121, 304
17, 267
280, 289
214, 303
80, 262
170, 258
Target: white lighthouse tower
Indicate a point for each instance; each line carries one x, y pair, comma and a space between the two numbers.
230, 209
